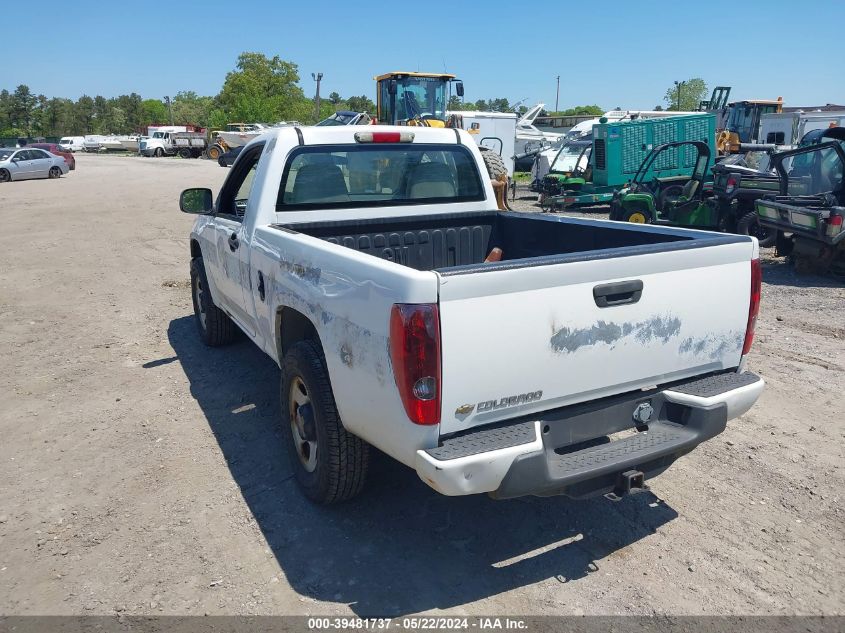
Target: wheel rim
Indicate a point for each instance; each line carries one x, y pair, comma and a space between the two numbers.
637, 218
199, 295
306, 450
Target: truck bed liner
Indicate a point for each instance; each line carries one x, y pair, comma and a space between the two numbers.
459, 243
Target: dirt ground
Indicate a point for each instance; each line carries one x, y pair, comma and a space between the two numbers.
143, 473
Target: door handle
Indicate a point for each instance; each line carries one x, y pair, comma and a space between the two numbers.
233, 242
617, 294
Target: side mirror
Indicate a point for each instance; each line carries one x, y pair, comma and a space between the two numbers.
391, 87
198, 201
459, 88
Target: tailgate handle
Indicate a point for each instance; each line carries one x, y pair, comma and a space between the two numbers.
619, 293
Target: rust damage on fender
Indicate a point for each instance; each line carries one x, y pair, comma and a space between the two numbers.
662, 328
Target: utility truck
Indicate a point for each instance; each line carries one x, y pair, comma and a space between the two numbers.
492, 352
185, 144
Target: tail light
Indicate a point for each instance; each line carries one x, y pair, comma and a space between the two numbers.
415, 354
731, 184
834, 225
754, 304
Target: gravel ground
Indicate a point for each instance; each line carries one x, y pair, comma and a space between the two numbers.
143, 473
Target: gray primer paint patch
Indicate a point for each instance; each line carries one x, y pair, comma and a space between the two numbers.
713, 346
662, 328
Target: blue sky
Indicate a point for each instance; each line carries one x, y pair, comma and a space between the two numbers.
609, 53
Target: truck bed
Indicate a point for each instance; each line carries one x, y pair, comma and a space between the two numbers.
458, 243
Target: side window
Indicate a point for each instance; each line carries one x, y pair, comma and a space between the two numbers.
238, 187
38, 154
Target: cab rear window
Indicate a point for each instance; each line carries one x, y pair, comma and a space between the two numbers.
323, 177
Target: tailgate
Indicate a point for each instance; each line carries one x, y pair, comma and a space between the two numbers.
527, 339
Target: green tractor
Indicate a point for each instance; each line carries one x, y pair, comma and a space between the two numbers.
645, 201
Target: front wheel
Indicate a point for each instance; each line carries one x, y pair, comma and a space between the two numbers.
214, 325
749, 224
637, 216
55, 172
158, 153
5, 176
329, 463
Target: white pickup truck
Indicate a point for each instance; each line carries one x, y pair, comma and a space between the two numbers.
585, 360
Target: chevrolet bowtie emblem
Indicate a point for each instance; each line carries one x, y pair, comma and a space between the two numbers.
464, 409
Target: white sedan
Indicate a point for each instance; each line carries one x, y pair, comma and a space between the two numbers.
23, 164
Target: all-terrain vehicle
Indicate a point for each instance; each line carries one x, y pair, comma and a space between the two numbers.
569, 171
738, 182
647, 200
808, 214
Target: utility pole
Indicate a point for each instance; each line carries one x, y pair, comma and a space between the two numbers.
678, 85
169, 108
318, 77
557, 95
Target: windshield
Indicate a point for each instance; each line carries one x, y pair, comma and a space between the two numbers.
415, 98
378, 175
758, 160
338, 119
745, 119
158, 134
813, 172
570, 157
6, 153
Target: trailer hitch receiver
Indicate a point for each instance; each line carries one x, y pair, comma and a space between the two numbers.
630, 482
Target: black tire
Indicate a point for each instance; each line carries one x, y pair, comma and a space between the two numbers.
494, 163
184, 153
54, 172
158, 153
749, 224
214, 325
337, 468
5, 176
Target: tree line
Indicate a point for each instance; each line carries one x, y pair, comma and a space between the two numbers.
258, 89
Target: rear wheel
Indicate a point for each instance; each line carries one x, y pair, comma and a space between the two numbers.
5, 176
185, 153
494, 163
749, 224
668, 196
55, 172
329, 463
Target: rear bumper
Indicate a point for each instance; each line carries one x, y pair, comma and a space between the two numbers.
568, 451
